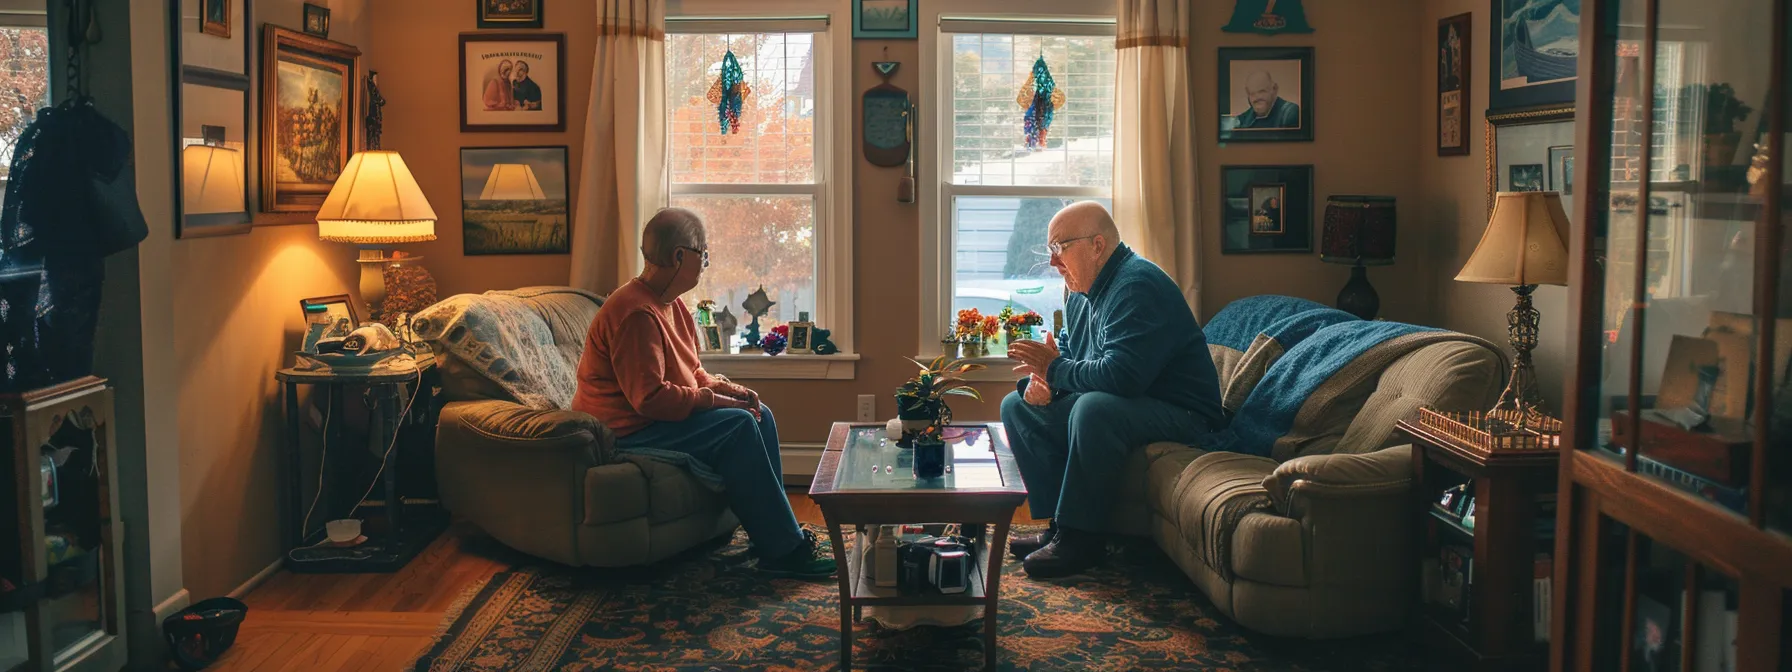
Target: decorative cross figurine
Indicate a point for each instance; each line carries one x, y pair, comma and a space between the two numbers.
756, 305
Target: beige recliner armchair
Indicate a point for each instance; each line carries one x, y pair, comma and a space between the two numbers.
550, 482
1317, 540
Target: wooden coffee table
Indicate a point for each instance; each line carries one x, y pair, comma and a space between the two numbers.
865, 479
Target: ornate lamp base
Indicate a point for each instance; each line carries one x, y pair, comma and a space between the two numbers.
1358, 297
1517, 405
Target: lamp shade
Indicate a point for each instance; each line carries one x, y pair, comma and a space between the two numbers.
211, 180
376, 201
1526, 242
512, 182
1358, 228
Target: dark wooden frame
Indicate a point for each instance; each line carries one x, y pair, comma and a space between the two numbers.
319, 11
988, 506
485, 22
274, 41
559, 40
1506, 485
1308, 102
1532, 97
1465, 30
1490, 139
220, 30
1599, 490
566, 195
198, 226
1283, 175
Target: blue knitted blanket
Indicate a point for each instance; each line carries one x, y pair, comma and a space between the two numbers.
1236, 325
1269, 411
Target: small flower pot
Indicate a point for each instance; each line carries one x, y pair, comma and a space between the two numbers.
930, 457
975, 349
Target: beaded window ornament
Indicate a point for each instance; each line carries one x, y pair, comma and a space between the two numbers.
728, 93
1041, 97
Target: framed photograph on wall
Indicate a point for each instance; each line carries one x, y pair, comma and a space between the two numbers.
1266, 209
513, 200
509, 13
884, 19
214, 17
512, 82
317, 20
1455, 37
1266, 94
1535, 53
1561, 169
310, 111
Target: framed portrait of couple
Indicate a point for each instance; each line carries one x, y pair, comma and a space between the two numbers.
512, 82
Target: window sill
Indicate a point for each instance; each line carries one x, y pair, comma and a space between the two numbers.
842, 366
998, 369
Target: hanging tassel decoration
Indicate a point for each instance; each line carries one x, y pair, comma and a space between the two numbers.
729, 93
1041, 97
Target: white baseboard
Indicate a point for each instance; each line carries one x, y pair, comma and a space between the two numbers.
176, 602
800, 460
268, 571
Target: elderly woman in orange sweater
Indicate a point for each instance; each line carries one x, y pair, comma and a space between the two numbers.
641, 376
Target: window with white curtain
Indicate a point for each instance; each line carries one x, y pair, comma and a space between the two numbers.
996, 194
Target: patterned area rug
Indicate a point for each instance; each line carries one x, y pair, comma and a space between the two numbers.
711, 611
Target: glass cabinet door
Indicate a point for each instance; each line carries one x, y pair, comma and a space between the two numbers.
1682, 216
15, 644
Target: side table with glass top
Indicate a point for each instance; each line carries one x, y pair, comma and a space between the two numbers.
866, 479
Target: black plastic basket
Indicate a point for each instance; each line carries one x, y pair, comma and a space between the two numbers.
198, 635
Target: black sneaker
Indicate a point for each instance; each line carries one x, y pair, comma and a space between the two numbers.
804, 561
1021, 547
1072, 552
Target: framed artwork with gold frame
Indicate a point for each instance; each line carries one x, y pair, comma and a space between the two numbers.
310, 115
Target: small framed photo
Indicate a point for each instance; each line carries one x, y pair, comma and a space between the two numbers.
1526, 177
1266, 94
214, 17
317, 20
509, 13
884, 19
1266, 209
1454, 39
800, 335
327, 317
1561, 169
712, 338
512, 82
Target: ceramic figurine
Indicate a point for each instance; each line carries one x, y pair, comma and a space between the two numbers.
756, 305
819, 343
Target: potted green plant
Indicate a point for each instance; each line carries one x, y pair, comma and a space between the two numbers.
921, 402
1723, 110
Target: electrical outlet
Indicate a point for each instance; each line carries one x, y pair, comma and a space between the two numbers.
867, 408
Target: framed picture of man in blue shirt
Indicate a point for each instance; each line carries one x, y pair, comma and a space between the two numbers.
1266, 94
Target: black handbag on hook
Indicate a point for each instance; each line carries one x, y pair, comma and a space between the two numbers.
81, 189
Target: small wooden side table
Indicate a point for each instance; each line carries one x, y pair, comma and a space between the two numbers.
399, 399
1507, 486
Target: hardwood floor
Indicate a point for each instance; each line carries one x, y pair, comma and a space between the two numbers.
380, 622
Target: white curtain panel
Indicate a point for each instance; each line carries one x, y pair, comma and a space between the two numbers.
1155, 191
623, 178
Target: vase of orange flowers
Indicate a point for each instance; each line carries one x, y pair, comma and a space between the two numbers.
973, 332
1020, 327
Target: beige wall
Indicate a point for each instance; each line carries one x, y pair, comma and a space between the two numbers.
236, 322
1453, 209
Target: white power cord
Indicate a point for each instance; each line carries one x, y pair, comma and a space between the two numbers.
323, 456
323, 453
415, 389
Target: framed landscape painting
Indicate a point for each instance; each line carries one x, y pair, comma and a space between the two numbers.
309, 112
513, 200
1536, 50
1266, 209
512, 82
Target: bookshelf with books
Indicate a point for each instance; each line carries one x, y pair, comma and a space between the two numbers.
1487, 527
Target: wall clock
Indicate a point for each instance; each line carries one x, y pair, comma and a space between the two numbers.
887, 109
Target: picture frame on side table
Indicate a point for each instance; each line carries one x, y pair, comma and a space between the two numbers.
326, 317
310, 117
1455, 52
514, 200
1265, 94
1534, 55
509, 13
1266, 209
512, 82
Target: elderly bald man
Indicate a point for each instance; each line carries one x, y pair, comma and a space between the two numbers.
1268, 108
1133, 370
641, 376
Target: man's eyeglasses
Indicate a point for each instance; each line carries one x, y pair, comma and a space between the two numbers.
1057, 247
703, 254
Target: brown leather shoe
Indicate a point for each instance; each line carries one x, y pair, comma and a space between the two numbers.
1071, 552
1023, 546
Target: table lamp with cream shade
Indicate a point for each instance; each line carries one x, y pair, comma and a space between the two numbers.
376, 203
1525, 245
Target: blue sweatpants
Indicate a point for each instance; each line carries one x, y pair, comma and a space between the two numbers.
1071, 451
745, 452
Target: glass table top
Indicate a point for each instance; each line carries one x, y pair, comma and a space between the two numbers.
872, 461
